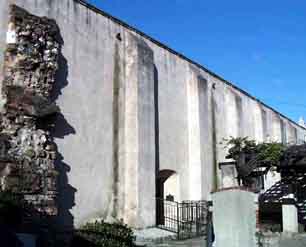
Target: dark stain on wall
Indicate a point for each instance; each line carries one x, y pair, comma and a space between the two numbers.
283, 131
295, 135
264, 120
145, 53
75, 8
156, 112
88, 20
116, 90
50, 4
238, 103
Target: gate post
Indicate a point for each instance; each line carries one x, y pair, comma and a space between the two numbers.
290, 215
237, 207
196, 219
178, 219
137, 153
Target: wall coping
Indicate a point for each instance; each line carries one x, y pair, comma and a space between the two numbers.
235, 188
158, 43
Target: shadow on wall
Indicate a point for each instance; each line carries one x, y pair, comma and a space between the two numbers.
156, 111
158, 192
64, 221
62, 127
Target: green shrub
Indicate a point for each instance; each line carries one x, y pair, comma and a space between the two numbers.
102, 234
266, 153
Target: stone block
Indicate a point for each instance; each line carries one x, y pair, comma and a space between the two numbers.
234, 218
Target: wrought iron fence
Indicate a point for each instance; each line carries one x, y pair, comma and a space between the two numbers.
187, 219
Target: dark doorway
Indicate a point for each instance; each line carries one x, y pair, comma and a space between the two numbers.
161, 178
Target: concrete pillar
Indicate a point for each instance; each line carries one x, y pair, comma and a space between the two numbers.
234, 114
258, 122
276, 128
194, 135
139, 135
234, 218
290, 215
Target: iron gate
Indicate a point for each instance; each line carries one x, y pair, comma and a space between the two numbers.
187, 219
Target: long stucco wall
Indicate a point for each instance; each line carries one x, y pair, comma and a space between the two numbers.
111, 82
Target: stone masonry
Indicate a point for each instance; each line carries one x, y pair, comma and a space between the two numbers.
27, 150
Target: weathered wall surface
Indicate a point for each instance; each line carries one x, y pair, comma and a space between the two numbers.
106, 132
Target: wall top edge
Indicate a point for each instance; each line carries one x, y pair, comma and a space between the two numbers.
180, 55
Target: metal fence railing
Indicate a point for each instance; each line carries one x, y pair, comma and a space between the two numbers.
187, 219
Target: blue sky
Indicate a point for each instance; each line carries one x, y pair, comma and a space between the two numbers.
259, 46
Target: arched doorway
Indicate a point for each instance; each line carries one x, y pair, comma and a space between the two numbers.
167, 183
167, 188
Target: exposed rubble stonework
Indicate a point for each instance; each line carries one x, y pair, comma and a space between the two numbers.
27, 151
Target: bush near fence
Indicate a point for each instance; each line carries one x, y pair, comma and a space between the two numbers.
102, 234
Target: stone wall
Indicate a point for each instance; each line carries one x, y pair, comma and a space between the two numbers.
111, 82
27, 148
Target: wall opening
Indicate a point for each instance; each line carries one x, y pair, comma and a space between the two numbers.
167, 188
167, 183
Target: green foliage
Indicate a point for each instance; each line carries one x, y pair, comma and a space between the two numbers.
239, 145
102, 234
268, 153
